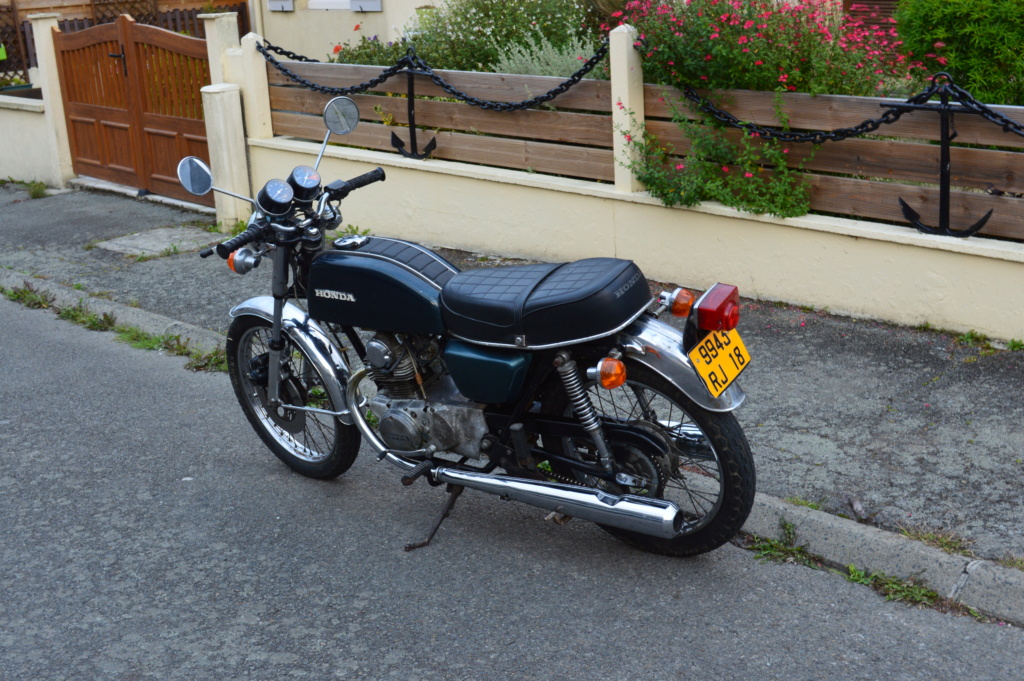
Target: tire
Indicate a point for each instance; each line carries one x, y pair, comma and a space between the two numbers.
312, 444
708, 470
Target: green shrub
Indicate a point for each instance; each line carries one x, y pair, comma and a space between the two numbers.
539, 57
468, 35
979, 42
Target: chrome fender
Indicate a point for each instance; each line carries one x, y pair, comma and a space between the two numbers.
663, 353
312, 340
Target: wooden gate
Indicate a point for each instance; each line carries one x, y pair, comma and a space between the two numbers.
132, 102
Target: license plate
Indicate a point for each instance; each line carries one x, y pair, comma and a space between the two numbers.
719, 359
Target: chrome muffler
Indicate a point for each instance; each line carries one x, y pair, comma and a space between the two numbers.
655, 517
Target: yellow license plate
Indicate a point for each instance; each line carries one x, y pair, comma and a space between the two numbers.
719, 359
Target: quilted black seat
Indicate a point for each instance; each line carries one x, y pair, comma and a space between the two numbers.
533, 306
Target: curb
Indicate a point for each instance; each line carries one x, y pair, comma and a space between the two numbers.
150, 322
93, 184
986, 586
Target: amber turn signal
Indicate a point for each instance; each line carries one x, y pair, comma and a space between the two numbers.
682, 302
611, 373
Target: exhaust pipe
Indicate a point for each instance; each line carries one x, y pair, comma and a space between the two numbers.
654, 517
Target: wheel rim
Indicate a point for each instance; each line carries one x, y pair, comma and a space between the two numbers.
308, 436
691, 469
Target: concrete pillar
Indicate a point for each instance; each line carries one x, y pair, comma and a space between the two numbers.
221, 35
627, 104
222, 106
43, 26
247, 67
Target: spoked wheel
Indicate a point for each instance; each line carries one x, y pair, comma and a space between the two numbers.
704, 465
315, 444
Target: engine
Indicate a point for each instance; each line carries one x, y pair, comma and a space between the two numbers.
417, 404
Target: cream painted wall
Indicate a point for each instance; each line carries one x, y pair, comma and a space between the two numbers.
28, 153
857, 268
315, 32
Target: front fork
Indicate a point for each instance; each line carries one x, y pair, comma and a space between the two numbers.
279, 288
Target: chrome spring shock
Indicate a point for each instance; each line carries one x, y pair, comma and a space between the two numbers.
582, 406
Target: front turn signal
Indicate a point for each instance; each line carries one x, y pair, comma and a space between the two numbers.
610, 373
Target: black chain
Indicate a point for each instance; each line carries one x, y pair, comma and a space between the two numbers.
413, 62
968, 101
355, 89
890, 115
512, 106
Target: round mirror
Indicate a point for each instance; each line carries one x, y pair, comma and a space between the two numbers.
195, 176
341, 115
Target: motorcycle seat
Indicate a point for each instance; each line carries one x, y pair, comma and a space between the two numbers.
543, 306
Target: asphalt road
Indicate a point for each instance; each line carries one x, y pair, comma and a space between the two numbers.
147, 534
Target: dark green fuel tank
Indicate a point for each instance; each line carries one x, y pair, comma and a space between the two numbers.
380, 283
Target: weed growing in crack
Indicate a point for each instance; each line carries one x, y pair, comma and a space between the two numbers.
83, 316
797, 501
784, 550
947, 540
28, 296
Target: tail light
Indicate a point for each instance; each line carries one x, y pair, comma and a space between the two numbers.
719, 308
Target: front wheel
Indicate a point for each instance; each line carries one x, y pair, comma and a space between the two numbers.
312, 443
704, 465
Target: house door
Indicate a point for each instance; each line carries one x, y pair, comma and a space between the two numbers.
132, 103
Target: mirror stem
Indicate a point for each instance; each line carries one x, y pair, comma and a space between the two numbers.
323, 148
237, 196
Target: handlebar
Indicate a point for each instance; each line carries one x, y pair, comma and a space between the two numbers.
336, 190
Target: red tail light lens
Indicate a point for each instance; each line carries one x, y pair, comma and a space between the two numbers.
719, 308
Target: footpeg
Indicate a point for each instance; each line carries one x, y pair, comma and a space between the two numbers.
416, 473
558, 518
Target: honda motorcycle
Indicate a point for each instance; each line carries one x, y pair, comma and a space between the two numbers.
555, 385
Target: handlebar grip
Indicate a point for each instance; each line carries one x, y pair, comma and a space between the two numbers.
339, 189
375, 175
252, 233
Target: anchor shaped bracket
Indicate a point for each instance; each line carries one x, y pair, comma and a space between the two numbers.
413, 150
947, 134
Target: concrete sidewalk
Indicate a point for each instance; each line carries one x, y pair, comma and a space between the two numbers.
895, 426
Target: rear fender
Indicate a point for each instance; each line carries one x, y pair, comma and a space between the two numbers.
312, 340
659, 347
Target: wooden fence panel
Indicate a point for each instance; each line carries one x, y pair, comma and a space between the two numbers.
589, 95
545, 140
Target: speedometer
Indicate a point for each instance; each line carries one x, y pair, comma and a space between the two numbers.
275, 198
305, 182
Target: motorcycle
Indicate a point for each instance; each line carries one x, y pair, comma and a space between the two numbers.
556, 385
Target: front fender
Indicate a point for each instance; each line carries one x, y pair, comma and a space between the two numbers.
663, 353
313, 342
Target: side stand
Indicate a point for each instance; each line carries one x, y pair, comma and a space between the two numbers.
453, 494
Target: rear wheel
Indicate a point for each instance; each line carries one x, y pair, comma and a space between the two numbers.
705, 467
314, 444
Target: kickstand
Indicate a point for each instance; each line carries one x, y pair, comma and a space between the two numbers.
453, 493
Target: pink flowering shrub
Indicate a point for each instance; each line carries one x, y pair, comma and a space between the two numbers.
794, 45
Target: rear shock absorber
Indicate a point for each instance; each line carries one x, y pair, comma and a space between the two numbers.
582, 406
